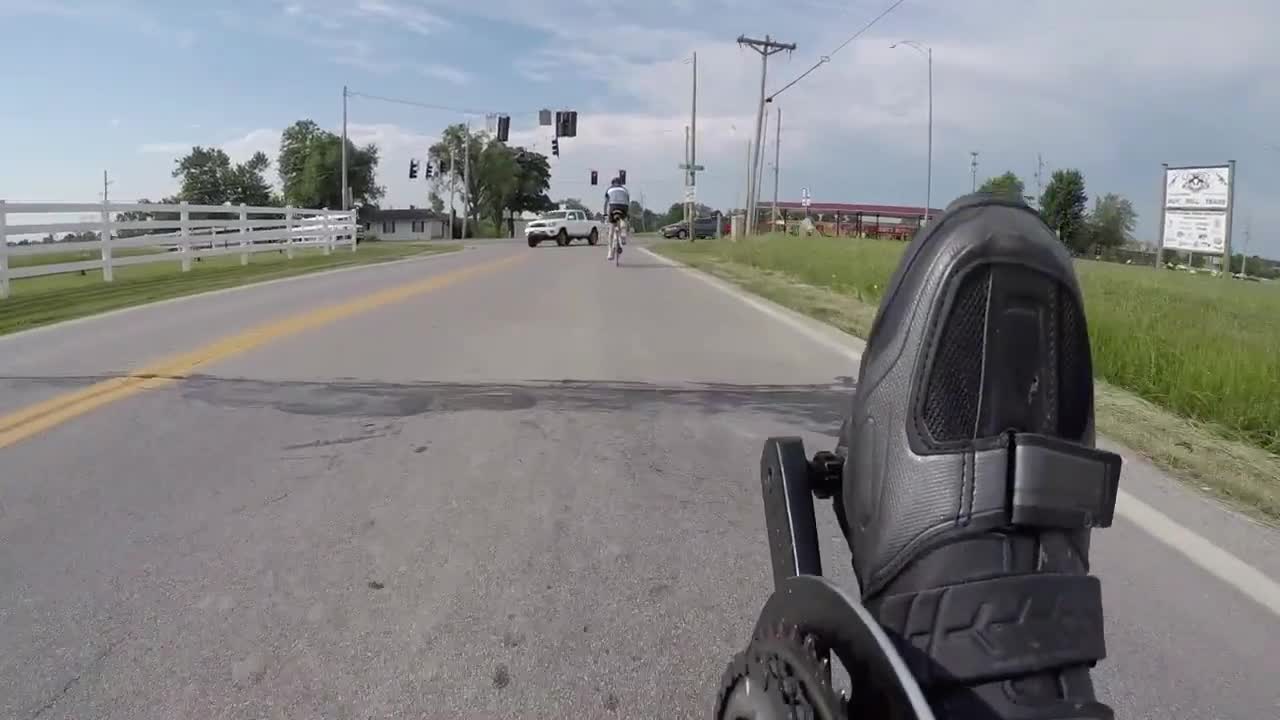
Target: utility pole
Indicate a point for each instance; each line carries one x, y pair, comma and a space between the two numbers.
453, 182
104, 232
973, 165
466, 178
345, 203
693, 127
765, 47
777, 156
688, 175
759, 169
692, 145
928, 183
1039, 179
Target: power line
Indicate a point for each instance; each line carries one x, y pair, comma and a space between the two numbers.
433, 106
827, 58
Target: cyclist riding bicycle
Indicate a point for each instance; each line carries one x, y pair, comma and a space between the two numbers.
617, 206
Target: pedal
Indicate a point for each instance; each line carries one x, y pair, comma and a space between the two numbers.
826, 472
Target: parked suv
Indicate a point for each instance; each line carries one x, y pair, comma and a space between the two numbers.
703, 227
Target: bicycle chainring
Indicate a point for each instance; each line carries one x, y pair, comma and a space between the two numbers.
782, 675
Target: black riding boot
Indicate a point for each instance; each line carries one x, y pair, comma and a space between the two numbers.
971, 481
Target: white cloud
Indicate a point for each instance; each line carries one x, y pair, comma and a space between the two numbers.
164, 148
264, 140
405, 14
447, 73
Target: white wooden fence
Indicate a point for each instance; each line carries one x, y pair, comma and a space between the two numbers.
228, 230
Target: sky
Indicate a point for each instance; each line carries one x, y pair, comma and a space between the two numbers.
1112, 88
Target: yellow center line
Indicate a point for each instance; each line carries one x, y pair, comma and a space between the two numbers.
41, 416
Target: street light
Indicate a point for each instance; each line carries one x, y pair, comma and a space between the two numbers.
927, 52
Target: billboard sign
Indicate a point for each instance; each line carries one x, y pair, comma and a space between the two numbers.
1199, 231
1193, 188
1198, 201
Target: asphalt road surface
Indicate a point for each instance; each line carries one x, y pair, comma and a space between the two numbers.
524, 487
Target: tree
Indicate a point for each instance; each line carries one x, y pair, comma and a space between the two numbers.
1112, 221
82, 236
1063, 208
204, 176
207, 177
675, 213
295, 147
533, 178
643, 217
310, 166
437, 202
494, 181
458, 143
247, 184
573, 204
1253, 265
1006, 185
136, 216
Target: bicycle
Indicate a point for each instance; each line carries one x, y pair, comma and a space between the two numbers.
616, 234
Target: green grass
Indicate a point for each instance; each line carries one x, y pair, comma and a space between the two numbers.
53, 298
1189, 365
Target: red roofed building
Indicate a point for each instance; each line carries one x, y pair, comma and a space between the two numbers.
853, 219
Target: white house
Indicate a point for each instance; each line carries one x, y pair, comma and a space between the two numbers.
405, 224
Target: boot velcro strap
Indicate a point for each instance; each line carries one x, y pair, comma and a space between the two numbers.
1051, 483
1061, 484
994, 629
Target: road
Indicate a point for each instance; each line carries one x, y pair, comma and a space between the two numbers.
501, 483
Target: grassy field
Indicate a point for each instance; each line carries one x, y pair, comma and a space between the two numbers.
1190, 365
53, 298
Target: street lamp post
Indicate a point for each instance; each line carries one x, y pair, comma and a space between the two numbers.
927, 52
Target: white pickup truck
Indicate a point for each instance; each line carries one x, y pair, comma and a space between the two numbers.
563, 226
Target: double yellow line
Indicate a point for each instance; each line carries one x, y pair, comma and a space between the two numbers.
41, 416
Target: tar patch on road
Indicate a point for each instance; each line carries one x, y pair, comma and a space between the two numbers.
817, 407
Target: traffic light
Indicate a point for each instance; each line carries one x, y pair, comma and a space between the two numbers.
570, 124
622, 176
427, 171
555, 146
567, 123
504, 127
413, 169
595, 179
